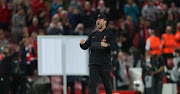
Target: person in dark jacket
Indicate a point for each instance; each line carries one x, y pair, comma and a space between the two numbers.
101, 43
5, 71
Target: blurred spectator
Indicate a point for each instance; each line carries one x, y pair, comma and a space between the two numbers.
28, 53
88, 17
130, 26
4, 13
125, 39
121, 73
67, 27
151, 11
153, 44
25, 35
3, 41
175, 73
122, 28
77, 4
112, 28
60, 9
33, 40
5, 71
141, 36
37, 6
42, 19
78, 15
177, 35
171, 22
131, 9
79, 30
29, 16
72, 18
55, 6
173, 9
34, 27
23, 3
162, 17
168, 44
55, 27
102, 8
18, 22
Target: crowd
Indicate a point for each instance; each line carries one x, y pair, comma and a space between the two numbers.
132, 21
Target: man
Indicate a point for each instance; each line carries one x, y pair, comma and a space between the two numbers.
120, 72
157, 63
153, 74
153, 44
5, 71
150, 10
101, 43
168, 44
18, 22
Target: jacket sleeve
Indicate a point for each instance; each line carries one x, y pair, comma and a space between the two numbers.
87, 43
12, 56
113, 43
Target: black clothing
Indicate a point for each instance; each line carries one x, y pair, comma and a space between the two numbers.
5, 65
157, 79
100, 58
100, 55
4, 84
103, 71
5, 73
158, 63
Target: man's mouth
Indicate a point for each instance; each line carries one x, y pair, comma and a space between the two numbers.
97, 23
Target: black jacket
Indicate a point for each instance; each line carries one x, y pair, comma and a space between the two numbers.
5, 65
100, 55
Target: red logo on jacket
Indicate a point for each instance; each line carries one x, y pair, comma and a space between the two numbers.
104, 39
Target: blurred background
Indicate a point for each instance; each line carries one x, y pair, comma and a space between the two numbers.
131, 21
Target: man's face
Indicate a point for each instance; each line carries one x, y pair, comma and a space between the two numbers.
100, 23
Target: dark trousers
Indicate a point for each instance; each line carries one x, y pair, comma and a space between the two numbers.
71, 84
157, 84
102, 71
4, 84
84, 82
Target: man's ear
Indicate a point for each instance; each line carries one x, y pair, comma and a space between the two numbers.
105, 22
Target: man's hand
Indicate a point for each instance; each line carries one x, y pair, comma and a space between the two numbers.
153, 73
82, 41
103, 44
17, 49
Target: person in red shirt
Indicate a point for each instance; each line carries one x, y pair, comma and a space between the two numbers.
34, 27
38, 5
4, 13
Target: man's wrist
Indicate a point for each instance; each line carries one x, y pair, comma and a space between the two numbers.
108, 44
